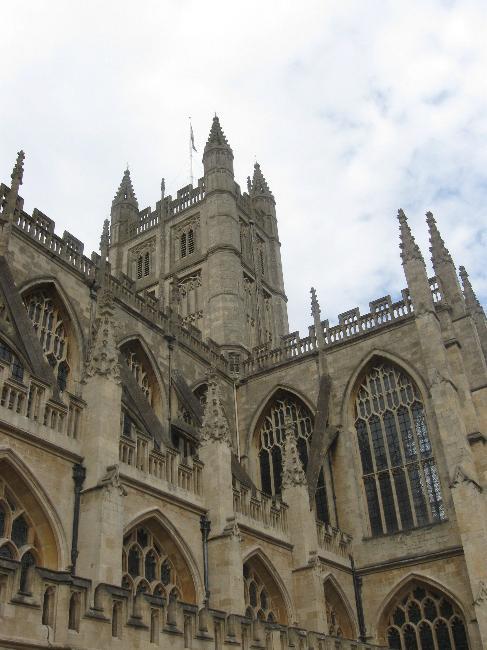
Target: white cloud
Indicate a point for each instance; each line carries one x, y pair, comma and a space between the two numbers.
353, 109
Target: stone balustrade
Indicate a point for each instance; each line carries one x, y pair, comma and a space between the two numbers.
333, 540
259, 508
32, 399
138, 451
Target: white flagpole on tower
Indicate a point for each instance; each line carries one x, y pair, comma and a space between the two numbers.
191, 149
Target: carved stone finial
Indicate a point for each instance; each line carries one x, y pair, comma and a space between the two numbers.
292, 471
215, 427
471, 299
103, 356
163, 188
439, 252
216, 137
409, 248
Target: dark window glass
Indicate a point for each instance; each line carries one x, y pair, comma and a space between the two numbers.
62, 375
378, 442
363, 441
409, 635
388, 502
6, 551
166, 573
402, 496
183, 244
139, 267
17, 370
459, 634
5, 352
265, 471
426, 637
442, 635
2, 521
277, 468
190, 242
19, 531
394, 639
392, 439
373, 506
416, 483
146, 264
133, 564
142, 537
150, 566
321, 500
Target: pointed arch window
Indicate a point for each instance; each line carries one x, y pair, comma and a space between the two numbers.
258, 601
182, 244
17, 534
51, 327
146, 565
424, 618
401, 481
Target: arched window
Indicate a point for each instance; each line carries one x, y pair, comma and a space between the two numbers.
144, 375
271, 436
147, 263
74, 612
338, 619
182, 244
51, 326
263, 599
146, 562
16, 531
117, 620
48, 607
424, 618
16, 368
401, 481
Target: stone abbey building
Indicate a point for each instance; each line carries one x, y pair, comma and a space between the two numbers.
178, 470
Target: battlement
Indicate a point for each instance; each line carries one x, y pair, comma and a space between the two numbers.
351, 324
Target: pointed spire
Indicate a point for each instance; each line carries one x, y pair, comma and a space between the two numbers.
292, 470
163, 188
18, 170
216, 137
104, 244
471, 299
409, 248
259, 183
125, 193
215, 427
439, 252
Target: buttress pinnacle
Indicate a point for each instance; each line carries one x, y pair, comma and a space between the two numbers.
18, 170
409, 248
471, 299
439, 252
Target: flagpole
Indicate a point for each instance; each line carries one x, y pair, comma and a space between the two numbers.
190, 154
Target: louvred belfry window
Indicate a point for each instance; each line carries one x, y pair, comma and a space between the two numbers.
425, 619
401, 482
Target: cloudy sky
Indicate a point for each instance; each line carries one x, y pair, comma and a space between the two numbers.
352, 108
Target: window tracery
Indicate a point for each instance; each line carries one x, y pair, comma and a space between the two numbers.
186, 238
401, 481
142, 373
257, 600
423, 618
190, 304
50, 326
17, 535
146, 566
141, 259
9, 358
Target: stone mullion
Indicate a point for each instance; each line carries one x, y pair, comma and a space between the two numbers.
420, 463
404, 467
376, 479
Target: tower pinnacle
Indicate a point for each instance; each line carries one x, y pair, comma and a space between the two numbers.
18, 170
259, 184
216, 137
125, 192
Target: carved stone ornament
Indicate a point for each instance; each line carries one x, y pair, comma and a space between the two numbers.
215, 427
149, 245
292, 472
460, 476
103, 354
482, 594
233, 530
111, 480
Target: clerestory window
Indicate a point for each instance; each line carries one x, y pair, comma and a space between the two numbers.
400, 476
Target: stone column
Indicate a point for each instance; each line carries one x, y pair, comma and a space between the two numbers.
225, 567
